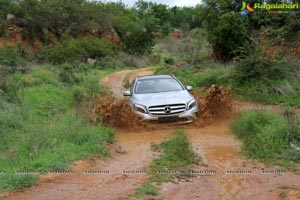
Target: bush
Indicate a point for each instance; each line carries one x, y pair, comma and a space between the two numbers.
12, 56
267, 136
69, 77
169, 60
226, 30
77, 50
256, 67
139, 42
67, 51
97, 48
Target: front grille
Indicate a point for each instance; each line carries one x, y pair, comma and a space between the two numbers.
167, 109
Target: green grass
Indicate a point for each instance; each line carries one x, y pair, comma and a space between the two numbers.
10, 181
177, 153
42, 130
267, 137
46, 100
145, 189
283, 195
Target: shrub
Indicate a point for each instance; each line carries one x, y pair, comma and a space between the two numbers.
67, 51
77, 50
256, 67
226, 30
268, 136
139, 42
12, 56
169, 60
97, 48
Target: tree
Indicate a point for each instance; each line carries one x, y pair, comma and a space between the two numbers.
160, 12
227, 30
166, 29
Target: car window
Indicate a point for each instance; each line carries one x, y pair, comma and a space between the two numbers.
131, 86
157, 85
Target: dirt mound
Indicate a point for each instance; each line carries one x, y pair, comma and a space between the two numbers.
216, 103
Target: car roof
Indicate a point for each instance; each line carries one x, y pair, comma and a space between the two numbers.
148, 77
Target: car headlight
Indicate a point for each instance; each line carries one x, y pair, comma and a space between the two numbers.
191, 104
140, 108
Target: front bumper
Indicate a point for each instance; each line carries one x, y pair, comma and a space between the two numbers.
187, 116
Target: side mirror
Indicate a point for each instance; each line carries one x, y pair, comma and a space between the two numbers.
189, 88
127, 93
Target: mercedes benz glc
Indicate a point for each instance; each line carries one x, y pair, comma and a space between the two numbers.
162, 98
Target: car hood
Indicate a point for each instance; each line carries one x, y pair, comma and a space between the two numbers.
162, 98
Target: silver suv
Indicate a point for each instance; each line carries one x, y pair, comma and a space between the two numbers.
162, 98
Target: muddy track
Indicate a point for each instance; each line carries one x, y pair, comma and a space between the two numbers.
218, 148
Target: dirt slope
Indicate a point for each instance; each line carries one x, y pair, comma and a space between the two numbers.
218, 148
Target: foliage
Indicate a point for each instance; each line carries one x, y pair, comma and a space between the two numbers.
12, 57
267, 136
166, 29
12, 181
257, 67
177, 153
76, 15
45, 100
226, 30
77, 50
139, 42
192, 50
145, 189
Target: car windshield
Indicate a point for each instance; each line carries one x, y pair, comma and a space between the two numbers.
157, 85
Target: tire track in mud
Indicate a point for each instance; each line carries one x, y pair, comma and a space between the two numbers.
218, 148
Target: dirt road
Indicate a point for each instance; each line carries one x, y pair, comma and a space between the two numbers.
218, 148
